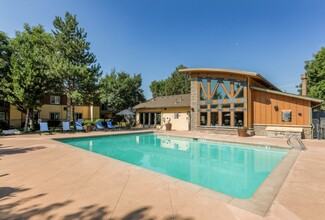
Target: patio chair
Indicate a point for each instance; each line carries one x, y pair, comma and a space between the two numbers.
44, 127
79, 126
110, 126
99, 126
66, 126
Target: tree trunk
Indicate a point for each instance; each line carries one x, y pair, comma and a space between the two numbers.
68, 109
31, 119
26, 120
73, 116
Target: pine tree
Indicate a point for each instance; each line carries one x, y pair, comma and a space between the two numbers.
74, 65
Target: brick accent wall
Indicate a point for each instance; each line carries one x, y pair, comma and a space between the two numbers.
194, 98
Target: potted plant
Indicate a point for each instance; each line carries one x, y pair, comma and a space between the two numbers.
88, 125
242, 131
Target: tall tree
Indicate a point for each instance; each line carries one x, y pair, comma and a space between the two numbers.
121, 91
75, 66
5, 54
29, 76
178, 83
315, 70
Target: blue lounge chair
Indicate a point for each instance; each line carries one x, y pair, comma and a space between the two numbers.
44, 127
79, 126
66, 126
110, 126
99, 126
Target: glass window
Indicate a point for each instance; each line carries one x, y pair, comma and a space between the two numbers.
214, 118
239, 86
220, 93
55, 99
203, 118
205, 87
2, 116
213, 84
104, 107
202, 96
54, 116
203, 106
158, 118
225, 118
239, 119
141, 118
78, 116
239, 105
227, 85
225, 105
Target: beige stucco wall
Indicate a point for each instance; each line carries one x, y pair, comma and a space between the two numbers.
85, 110
16, 117
180, 124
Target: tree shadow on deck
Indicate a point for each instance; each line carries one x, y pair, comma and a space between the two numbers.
15, 205
8, 150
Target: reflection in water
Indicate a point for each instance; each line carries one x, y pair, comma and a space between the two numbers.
234, 170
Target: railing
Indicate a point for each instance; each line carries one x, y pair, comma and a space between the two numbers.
160, 128
301, 144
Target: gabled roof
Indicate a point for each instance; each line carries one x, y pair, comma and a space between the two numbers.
253, 75
172, 101
288, 94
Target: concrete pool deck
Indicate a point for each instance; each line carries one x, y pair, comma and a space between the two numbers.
41, 178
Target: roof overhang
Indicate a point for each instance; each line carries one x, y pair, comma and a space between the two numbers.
253, 75
288, 94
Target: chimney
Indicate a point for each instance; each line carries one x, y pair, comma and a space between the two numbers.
304, 84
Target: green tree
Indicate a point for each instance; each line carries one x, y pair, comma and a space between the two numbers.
29, 76
178, 83
74, 65
5, 54
121, 91
315, 69
158, 88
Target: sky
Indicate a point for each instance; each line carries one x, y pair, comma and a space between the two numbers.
153, 37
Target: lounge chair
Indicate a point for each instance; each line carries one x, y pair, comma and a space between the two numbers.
66, 126
79, 126
44, 127
110, 126
99, 126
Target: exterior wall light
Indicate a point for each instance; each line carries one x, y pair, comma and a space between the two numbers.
276, 108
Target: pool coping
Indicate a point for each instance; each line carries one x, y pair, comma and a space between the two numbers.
258, 204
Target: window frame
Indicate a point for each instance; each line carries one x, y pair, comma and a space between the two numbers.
57, 99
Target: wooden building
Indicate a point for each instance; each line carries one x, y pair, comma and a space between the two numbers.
223, 100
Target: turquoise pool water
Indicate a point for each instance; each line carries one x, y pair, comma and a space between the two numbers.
234, 170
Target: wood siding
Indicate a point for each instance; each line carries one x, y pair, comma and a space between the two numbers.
264, 109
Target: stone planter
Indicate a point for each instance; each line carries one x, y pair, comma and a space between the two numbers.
242, 132
88, 128
168, 127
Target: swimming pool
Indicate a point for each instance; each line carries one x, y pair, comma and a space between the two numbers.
235, 170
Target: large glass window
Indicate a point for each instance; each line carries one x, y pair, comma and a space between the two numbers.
227, 96
214, 118
203, 118
226, 118
239, 119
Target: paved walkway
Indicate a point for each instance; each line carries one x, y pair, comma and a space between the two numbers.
44, 179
